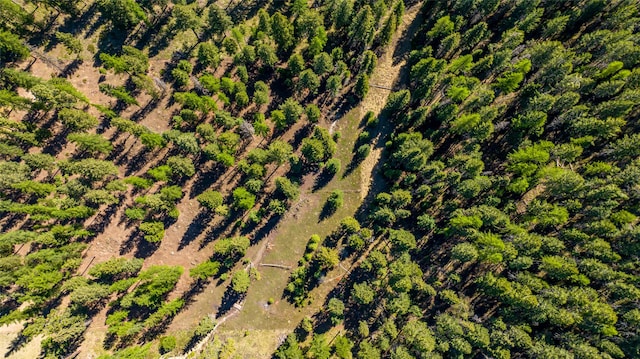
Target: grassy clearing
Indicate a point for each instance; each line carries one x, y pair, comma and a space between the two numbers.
288, 247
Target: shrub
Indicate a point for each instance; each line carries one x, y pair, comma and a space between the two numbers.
180, 77
167, 344
242, 199
205, 270
210, 199
335, 200
287, 188
240, 281
349, 225
333, 166
355, 242
135, 213
363, 151
205, 325
154, 231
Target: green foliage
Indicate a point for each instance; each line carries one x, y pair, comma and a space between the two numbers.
167, 344
288, 189
115, 269
240, 281
118, 92
70, 42
91, 143
210, 200
204, 270
282, 31
11, 48
155, 283
361, 87
123, 14
336, 308
243, 200
181, 166
153, 231
334, 201
318, 148
90, 169
77, 120
231, 247
132, 61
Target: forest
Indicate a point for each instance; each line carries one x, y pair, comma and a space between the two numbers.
320, 179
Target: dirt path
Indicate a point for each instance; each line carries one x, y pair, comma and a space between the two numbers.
201, 344
387, 75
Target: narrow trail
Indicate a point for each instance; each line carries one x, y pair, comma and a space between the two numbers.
387, 75
200, 345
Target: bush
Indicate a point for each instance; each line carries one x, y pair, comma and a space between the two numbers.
240, 281
210, 199
243, 200
335, 201
135, 213
180, 77
370, 119
313, 113
397, 101
287, 188
154, 231
333, 166
363, 151
349, 225
205, 270
355, 242
167, 344
181, 166
205, 325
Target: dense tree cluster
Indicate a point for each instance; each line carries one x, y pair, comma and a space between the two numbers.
508, 226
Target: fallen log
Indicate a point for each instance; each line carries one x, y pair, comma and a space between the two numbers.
275, 266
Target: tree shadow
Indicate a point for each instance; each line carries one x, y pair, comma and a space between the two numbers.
71, 68
128, 244
102, 220
205, 180
111, 40
55, 145
262, 231
76, 24
188, 297
146, 110
217, 231
229, 298
244, 10
196, 227
17, 343
356, 161
322, 180
327, 211
144, 248
152, 33
160, 40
